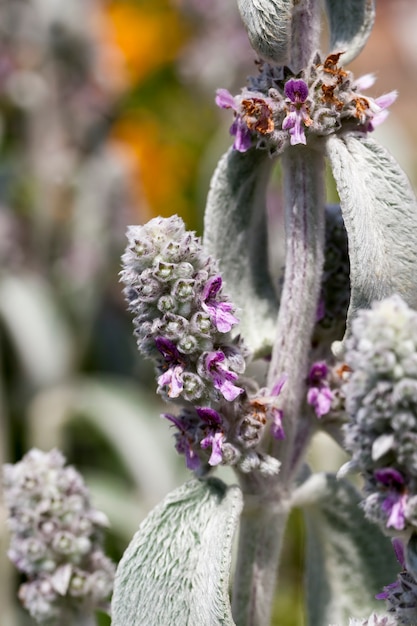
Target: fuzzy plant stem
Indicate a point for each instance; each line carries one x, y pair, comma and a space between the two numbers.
265, 512
303, 180
262, 526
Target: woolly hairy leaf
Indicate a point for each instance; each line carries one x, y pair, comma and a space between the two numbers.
348, 558
380, 214
235, 232
176, 569
350, 25
268, 23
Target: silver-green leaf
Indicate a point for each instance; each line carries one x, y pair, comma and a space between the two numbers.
268, 24
176, 569
348, 558
235, 232
380, 214
350, 25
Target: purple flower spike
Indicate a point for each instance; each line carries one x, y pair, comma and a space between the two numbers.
222, 378
220, 312
296, 91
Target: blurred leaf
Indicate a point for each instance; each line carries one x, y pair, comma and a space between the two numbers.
380, 214
348, 558
176, 569
235, 233
125, 415
350, 26
37, 328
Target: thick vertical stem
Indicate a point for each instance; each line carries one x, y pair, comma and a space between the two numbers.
262, 527
305, 34
303, 181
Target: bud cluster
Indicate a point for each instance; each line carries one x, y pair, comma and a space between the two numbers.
56, 538
278, 109
381, 402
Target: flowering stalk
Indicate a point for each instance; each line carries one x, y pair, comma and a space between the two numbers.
56, 541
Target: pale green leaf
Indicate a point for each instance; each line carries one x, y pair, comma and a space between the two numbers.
176, 569
380, 214
348, 558
235, 232
268, 24
350, 25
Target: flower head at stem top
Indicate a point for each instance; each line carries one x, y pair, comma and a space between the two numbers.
298, 116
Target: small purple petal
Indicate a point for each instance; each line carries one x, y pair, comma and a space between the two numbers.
212, 288
174, 420
386, 99
296, 90
222, 378
172, 378
389, 477
208, 415
167, 349
225, 100
318, 372
215, 441
277, 388
242, 134
320, 398
277, 430
364, 82
396, 517
384, 595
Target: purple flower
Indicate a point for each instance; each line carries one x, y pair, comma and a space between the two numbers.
221, 377
214, 440
296, 91
184, 442
172, 377
381, 114
220, 312
319, 396
239, 129
395, 501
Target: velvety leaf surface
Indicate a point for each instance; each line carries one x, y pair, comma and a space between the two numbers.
235, 232
268, 23
350, 26
380, 214
348, 558
176, 569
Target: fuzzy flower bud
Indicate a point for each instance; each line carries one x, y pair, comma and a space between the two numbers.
381, 401
55, 538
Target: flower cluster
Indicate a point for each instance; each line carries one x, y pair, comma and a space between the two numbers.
56, 538
381, 402
183, 322
278, 109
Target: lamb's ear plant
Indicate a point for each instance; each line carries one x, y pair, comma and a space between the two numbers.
337, 341
204, 311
